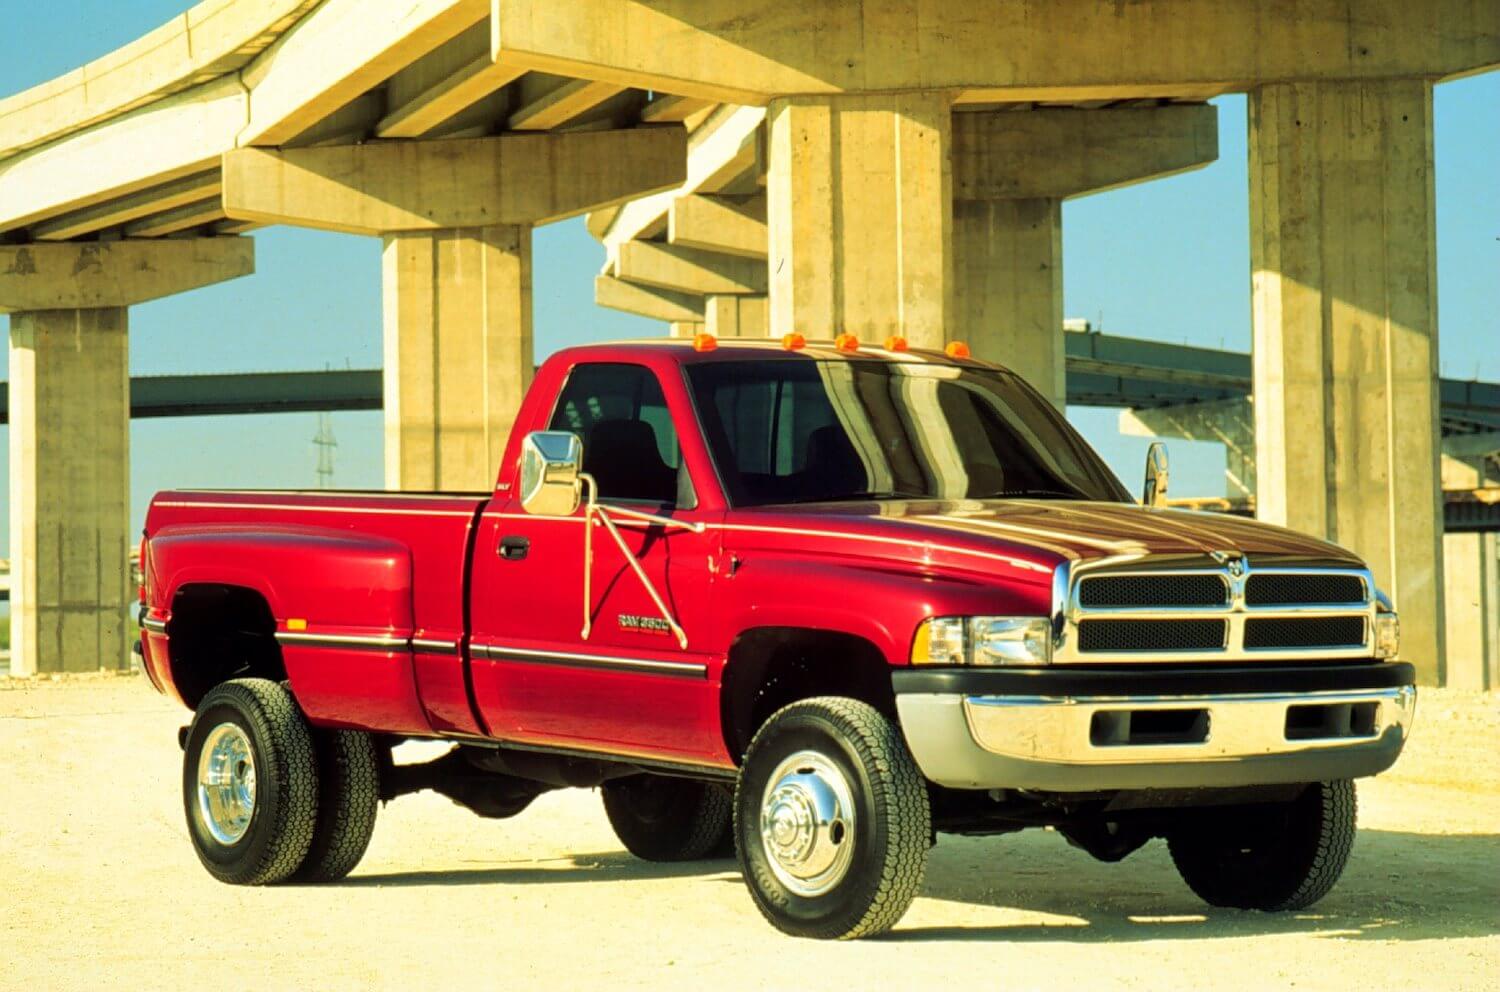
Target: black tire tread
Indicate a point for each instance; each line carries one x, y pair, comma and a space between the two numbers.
349, 797
699, 835
293, 763
1295, 885
899, 790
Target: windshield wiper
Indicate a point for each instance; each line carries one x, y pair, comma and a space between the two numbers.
1029, 492
868, 494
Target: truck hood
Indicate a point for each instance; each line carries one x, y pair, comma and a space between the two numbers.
1050, 531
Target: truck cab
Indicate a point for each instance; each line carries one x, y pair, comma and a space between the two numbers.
810, 603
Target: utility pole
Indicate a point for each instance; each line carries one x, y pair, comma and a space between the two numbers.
326, 443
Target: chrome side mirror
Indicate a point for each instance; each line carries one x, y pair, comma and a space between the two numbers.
1155, 490
551, 462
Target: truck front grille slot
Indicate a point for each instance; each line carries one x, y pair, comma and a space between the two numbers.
1151, 635
1133, 728
1303, 589
1332, 721
1145, 591
1264, 633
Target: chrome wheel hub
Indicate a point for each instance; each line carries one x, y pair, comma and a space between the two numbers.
807, 823
226, 783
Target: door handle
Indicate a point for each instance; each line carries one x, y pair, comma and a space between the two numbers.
513, 548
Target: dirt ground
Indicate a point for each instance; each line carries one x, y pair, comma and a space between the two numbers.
99, 888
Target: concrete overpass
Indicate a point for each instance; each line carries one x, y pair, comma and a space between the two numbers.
906, 161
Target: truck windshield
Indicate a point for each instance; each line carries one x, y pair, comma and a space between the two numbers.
803, 431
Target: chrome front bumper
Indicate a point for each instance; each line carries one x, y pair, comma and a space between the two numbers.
1085, 743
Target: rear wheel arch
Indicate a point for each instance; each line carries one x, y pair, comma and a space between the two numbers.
771, 667
218, 632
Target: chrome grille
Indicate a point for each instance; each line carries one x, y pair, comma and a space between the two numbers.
1262, 633
1151, 635
1302, 589
1186, 589
1189, 609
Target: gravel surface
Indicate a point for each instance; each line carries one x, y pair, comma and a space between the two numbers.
99, 888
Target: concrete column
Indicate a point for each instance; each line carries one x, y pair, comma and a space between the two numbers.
859, 216
685, 328
70, 490
735, 316
1009, 287
458, 353
1345, 332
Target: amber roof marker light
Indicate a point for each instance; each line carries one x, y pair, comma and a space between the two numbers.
846, 342
957, 349
896, 343
793, 341
703, 341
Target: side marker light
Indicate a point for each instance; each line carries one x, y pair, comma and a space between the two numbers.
704, 341
846, 342
956, 349
793, 341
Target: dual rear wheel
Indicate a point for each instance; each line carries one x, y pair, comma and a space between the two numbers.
269, 799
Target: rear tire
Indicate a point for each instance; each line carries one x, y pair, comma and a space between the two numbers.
1277, 857
250, 783
348, 798
831, 820
659, 818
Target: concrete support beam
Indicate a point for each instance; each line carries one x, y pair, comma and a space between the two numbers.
685, 270
735, 316
434, 185
1345, 332
178, 219
157, 199
1010, 296
1070, 50
647, 301
1052, 154
69, 410
731, 226
668, 109
446, 98
72, 276
340, 50
859, 198
458, 353
566, 101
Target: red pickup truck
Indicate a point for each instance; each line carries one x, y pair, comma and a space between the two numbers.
808, 604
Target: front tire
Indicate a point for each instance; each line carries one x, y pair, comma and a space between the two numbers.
250, 783
1278, 857
831, 820
659, 818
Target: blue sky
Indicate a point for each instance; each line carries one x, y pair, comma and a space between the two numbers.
1167, 260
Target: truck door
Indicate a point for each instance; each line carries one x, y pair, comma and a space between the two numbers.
629, 685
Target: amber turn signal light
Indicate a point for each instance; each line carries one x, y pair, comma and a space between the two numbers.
704, 342
957, 349
846, 342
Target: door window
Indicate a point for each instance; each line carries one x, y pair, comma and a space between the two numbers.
629, 441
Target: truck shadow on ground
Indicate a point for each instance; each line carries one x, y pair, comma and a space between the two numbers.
1399, 886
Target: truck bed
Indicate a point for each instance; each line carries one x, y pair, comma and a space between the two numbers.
366, 591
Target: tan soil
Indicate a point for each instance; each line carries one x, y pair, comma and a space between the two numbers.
99, 888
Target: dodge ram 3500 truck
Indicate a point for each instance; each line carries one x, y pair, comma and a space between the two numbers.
808, 603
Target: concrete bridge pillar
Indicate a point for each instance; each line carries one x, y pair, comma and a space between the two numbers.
736, 316
859, 216
1010, 291
1345, 332
458, 352
69, 497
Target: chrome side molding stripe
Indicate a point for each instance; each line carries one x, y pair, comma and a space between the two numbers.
646, 666
428, 645
154, 625
358, 642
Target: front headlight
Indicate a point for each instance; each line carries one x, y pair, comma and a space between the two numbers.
983, 641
